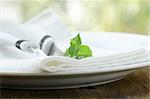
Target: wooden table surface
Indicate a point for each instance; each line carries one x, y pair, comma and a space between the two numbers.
134, 86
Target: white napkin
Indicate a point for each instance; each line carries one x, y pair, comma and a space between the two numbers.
30, 65
135, 58
50, 22
46, 23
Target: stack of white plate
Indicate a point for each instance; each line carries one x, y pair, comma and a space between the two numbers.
115, 55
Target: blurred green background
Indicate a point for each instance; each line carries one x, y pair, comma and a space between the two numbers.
94, 15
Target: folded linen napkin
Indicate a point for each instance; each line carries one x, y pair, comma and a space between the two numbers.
56, 64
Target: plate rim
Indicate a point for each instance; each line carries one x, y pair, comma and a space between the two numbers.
64, 75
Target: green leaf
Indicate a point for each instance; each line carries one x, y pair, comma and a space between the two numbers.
76, 40
76, 50
74, 46
84, 51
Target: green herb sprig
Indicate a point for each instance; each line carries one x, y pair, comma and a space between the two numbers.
77, 50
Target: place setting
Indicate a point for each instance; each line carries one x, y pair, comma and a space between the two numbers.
42, 54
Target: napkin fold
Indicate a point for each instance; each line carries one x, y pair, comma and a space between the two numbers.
135, 58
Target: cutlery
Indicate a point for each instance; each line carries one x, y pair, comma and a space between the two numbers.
24, 45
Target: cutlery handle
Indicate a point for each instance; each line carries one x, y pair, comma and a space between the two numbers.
36, 34
26, 45
49, 47
9, 40
47, 44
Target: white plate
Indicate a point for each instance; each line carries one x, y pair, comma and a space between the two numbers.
61, 81
26, 76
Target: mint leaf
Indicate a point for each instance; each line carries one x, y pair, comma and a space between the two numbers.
76, 40
84, 51
74, 46
77, 50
